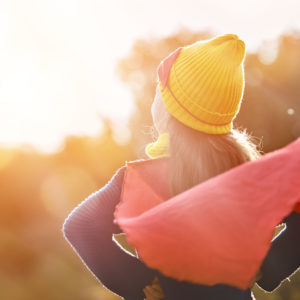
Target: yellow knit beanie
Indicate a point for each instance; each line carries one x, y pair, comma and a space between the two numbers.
202, 84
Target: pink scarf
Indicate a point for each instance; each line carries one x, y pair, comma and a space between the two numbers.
216, 232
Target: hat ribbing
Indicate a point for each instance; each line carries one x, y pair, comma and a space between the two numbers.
205, 83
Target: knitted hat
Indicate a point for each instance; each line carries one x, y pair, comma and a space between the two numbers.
202, 84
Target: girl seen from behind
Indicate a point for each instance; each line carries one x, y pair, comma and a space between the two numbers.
187, 209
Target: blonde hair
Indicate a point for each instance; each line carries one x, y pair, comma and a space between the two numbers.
196, 156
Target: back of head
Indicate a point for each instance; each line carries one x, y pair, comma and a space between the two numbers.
201, 87
195, 156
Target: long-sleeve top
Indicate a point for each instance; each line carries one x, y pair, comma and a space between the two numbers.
89, 229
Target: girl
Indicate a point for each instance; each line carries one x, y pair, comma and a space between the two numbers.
201, 225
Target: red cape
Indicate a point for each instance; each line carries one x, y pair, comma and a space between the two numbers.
216, 232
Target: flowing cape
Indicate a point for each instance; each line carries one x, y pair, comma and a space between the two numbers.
220, 230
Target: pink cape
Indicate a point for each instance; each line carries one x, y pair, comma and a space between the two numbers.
216, 232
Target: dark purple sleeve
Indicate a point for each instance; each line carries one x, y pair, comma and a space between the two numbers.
89, 229
283, 258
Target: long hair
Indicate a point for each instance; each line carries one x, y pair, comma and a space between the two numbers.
196, 156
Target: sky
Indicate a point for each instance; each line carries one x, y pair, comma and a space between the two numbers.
58, 57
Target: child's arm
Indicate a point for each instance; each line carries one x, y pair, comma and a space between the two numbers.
89, 229
283, 258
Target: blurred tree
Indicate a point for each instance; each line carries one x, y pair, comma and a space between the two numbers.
271, 105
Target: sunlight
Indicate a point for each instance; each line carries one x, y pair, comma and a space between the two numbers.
6, 157
268, 51
291, 111
77, 80
65, 188
58, 58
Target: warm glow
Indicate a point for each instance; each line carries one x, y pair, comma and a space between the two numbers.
6, 157
77, 80
65, 188
58, 57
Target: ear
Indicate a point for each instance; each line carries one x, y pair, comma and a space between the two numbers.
165, 67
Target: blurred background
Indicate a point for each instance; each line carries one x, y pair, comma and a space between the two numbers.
77, 79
